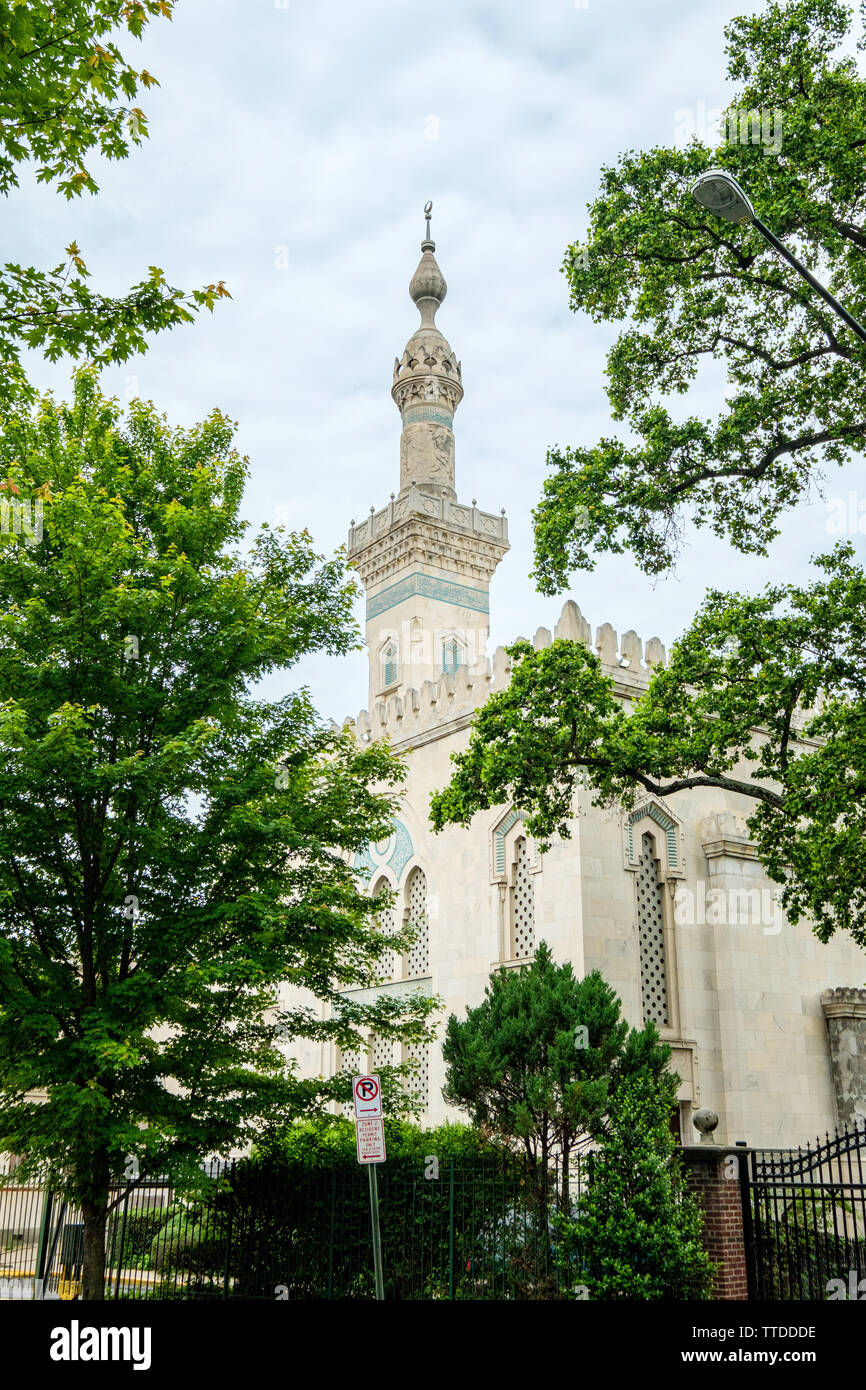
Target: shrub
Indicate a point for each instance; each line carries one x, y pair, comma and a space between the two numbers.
136, 1231
321, 1142
192, 1240
636, 1230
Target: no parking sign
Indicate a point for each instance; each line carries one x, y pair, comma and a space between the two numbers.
367, 1094
370, 1139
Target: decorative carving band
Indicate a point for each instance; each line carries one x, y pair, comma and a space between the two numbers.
413, 502
426, 390
427, 586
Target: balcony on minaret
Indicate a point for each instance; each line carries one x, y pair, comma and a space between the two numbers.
442, 509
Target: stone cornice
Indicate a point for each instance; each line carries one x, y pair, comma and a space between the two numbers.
398, 989
844, 1002
730, 847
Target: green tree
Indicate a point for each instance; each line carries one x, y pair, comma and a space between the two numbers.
67, 92
172, 849
788, 662
696, 290
535, 1062
636, 1232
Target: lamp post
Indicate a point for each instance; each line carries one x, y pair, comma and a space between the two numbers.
719, 192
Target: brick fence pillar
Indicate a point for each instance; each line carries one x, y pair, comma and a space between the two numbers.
714, 1180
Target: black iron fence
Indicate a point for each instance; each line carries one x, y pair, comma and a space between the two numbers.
805, 1219
480, 1228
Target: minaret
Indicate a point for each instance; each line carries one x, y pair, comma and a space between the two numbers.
427, 387
425, 559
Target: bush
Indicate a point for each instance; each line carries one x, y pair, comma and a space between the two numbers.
136, 1231
301, 1219
636, 1231
191, 1241
319, 1143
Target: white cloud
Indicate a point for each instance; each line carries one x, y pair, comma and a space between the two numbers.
304, 128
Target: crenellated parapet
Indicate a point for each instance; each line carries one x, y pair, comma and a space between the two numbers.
453, 697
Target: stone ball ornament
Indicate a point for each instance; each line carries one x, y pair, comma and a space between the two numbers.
705, 1120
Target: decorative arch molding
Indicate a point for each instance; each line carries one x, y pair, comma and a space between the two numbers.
391, 855
418, 908
502, 836
383, 875
672, 860
401, 886
455, 652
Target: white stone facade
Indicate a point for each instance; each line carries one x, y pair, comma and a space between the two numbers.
669, 902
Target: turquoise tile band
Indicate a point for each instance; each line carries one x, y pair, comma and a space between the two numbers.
425, 586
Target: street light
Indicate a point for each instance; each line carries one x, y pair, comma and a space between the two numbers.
719, 193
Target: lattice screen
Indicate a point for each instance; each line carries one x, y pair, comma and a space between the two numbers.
418, 960
381, 1053
650, 917
389, 665
389, 961
418, 1083
349, 1062
522, 905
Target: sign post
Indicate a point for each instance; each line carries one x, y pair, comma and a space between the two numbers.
377, 1235
370, 1142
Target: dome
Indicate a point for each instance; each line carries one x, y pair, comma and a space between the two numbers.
428, 282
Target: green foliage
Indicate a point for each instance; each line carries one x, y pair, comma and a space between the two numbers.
172, 849
191, 1240
301, 1229
697, 289
636, 1230
131, 1235
324, 1140
521, 1065
745, 663
67, 92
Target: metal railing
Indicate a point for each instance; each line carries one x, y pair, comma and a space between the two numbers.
805, 1214
465, 1228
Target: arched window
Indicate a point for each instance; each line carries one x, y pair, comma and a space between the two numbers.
451, 655
522, 903
418, 957
389, 961
388, 658
651, 932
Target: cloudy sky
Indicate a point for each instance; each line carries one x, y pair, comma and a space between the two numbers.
293, 146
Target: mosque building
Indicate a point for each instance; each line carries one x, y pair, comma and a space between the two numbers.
767, 1026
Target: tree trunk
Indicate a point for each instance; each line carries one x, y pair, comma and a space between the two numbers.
94, 1209
93, 1282
563, 1200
